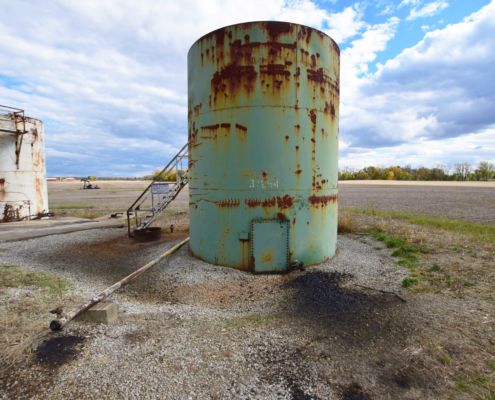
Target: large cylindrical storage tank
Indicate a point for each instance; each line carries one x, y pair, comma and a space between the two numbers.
23, 188
263, 146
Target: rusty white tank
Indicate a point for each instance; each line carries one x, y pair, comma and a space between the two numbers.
23, 189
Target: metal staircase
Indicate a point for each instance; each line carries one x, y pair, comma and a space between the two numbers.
158, 195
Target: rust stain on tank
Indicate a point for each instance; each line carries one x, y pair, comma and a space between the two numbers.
2, 188
313, 61
241, 130
232, 78
281, 216
244, 253
282, 202
274, 69
197, 110
285, 201
219, 36
213, 131
321, 201
270, 202
275, 29
329, 109
210, 127
312, 116
228, 203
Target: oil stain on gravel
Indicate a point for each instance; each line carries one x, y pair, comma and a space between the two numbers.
354, 392
320, 293
297, 393
350, 320
57, 351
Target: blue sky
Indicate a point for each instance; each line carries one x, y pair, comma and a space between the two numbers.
108, 78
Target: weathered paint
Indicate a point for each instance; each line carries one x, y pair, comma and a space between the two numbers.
23, 189
269, 250
263, 140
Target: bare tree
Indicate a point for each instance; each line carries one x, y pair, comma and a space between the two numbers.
462, 170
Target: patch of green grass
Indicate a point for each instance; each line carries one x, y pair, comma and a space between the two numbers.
404, 251
435, 268
479, 386
490, 364
444, 359
409, 281
252, 320
406, 254
474, 230
11, 276
420, 277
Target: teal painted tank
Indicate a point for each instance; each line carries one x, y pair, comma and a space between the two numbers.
263, 146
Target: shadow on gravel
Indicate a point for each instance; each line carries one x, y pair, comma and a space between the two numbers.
57, 351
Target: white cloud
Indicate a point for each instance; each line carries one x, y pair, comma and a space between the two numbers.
346, 24
404, 3
443, 87
427, 10
471, 148
117, 69
354, 65
109, 78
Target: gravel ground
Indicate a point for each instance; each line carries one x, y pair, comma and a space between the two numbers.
190, 330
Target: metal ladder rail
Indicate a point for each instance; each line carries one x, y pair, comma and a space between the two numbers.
135, 207
148, 220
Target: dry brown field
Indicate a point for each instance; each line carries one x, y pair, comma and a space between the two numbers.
470, 201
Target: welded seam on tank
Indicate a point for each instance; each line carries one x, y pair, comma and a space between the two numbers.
260, 105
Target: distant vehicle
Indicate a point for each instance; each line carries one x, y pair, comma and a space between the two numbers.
88, 185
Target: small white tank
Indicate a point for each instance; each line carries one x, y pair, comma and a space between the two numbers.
23, 189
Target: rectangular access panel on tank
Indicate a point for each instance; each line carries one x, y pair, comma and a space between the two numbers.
269, 245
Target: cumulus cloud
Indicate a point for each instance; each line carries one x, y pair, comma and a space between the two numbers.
404, 3
472, 148
345, 24
114, 72
109, 78
427, 10
443, 87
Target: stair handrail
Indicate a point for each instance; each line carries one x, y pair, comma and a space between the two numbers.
179, 154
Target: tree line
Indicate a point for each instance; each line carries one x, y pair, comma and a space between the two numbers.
485, 171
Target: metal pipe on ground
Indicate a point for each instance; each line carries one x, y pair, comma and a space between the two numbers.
59, 323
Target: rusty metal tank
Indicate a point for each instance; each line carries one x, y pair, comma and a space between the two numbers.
263, 146
23, 188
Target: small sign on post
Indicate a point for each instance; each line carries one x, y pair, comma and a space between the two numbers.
160, 188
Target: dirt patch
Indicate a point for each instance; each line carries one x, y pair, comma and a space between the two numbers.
59, 350
136, 336
354, 392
